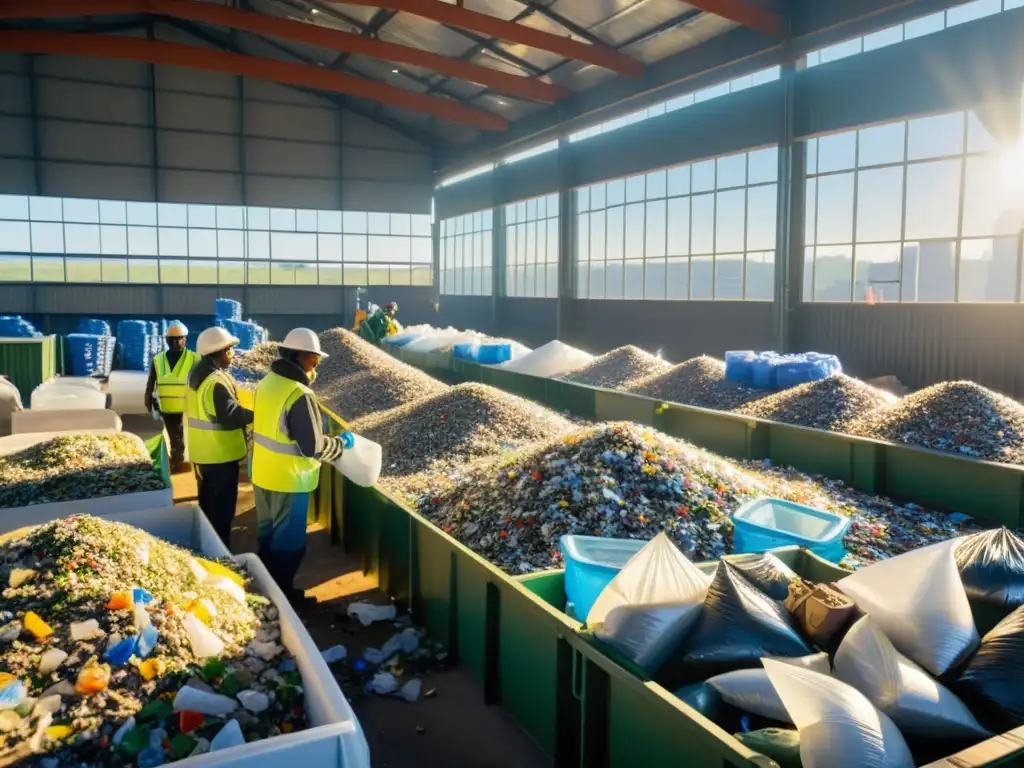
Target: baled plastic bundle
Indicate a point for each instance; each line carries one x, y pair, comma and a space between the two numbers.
133, 336
916, 702
93, 326
227, 309
737, 626
802, 369
739, 366
918, 601
17, 327
86, 353
839, 727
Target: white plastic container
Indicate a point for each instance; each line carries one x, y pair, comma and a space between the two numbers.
16, 517
127, 390
335, 738
362, 462
91, 420
54, 397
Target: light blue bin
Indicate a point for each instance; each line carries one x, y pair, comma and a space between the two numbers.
764, 524
591, 562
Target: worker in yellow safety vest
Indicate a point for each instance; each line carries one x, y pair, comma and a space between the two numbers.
216, 428
168, 375
288, 446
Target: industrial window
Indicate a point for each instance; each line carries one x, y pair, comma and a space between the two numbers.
531, 248
679, 102
703, 231
466, 260
923, 210
53, 239
925, 25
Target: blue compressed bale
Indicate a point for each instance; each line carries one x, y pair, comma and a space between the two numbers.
739, 366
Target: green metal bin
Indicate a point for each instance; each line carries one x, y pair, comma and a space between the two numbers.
28, 362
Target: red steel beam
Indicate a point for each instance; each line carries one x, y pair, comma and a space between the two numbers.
463, 18
194, 57
297, 31
742, 12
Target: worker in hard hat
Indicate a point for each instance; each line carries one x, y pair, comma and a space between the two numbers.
168, 375
288, 446
216, 428
380, 324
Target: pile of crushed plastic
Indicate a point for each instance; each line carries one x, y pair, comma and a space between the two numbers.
76, 467
258, 359
830, 404
622, 480
957, 417
617, 369
359, 379
700, 381
441, 436
117, 648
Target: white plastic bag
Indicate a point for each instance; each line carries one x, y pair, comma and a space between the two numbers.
361, 463
869, 662
646, 609
552, 359
752, 691
920, 604
839, 727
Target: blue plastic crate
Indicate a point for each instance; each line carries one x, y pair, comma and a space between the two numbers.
766, 523
591, 562
494, 354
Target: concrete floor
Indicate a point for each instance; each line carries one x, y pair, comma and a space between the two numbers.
451, 728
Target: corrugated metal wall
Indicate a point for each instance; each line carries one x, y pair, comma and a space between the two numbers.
80, 127
920, 344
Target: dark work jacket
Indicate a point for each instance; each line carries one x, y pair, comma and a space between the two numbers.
304, 421
226, 408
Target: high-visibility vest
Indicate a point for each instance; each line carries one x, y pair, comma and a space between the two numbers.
207, 441
171, 383
277, 464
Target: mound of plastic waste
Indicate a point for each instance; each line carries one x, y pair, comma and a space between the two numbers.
119, 648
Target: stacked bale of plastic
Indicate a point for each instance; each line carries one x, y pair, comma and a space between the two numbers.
17, 327
134, 339
248, 333
227, 309
770, 370
94, 326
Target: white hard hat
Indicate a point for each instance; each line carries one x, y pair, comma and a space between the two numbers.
177, 328
303, 340
213, 340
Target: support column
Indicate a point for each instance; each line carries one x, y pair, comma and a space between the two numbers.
789, 232
499, 252
33, 107
154, 143
566, 241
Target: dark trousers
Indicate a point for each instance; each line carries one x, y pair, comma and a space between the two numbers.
174, 424
282, 532
218, 494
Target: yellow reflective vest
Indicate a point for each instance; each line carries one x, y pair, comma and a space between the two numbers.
277, 464
207, 441
171, 383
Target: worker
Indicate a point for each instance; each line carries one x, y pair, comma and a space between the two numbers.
380, 324
216, 429
288, 447
168, 374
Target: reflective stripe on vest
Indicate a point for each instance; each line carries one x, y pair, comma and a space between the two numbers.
277, 462
208, 442
172, 383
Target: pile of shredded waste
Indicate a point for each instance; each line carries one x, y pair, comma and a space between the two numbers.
76, 467
117, 648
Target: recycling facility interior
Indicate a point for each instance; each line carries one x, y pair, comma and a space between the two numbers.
689, 177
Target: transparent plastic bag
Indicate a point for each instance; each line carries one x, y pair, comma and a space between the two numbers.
920, 604
839, 727
916, 702
650, 604
752, 691
362, 462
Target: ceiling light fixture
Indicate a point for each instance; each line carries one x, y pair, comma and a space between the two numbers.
395, 71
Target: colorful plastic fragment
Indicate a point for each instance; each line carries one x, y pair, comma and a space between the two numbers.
120, 601
152, 668
93, 678
35, 624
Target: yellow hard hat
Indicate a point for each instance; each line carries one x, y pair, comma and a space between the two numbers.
176, 329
